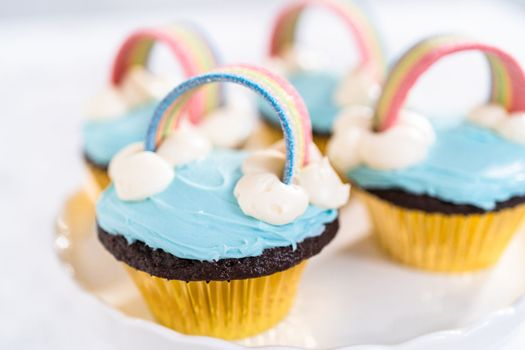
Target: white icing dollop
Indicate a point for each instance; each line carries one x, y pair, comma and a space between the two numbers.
396, 148
184, 145
230, 125
323, 185
417, 122
124, 153
487, 115
509, 126
513, 128
140, 86
318, 181
354, 143
264, 197
138, 174
343, 148
292, 60
108, 103
348, 130
358, 87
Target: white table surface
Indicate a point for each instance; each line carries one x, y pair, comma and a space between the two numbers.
50, 65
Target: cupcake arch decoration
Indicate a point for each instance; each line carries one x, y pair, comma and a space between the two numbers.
391, 138
191, 48
369, 46
507, 77
283, 98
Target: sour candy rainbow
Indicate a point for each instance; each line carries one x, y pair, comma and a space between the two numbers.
508, 79
191, 49
367, 39
284, 99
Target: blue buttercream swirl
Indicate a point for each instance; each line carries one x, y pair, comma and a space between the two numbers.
468, 164
317, 88
104, 138
197, 216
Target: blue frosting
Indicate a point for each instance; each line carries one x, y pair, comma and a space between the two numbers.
317, 89
197, 216
468, 164
103, 139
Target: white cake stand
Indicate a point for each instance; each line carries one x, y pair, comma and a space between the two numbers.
351, 297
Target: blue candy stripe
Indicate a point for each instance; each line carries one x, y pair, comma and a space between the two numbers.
200, 80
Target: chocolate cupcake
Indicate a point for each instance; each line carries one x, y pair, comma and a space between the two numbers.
441, 198
216, 239
119, 115
325, 91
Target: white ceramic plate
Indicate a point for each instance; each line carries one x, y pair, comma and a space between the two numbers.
350, 295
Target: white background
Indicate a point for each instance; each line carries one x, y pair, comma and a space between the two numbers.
54, 55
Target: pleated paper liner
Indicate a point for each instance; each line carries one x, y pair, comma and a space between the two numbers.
225, 309
440, 242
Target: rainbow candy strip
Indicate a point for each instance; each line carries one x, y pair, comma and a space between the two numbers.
294, 117
370, 49
508, 79
190, 47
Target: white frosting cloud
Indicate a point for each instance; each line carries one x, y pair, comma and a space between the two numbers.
107, 104
317, 183
137, 174
231, 125
358, 87
343, 148
138, 87
323, 185
399, 147
264, 197
184, 145
495, 117
488, 115
353, 143
513, 128
292, 61
124, 153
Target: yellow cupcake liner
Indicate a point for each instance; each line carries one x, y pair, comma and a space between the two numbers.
98, 180
266, 135
224, 309
441, 242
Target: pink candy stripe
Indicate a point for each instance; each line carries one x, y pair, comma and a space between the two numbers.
365, 55
121, 62
516, 73
298, 102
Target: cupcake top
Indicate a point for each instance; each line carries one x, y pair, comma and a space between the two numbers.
178, 194
119, 115
480, 161
326, 93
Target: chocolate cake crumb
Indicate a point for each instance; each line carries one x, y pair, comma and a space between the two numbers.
430, 204
159, 263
